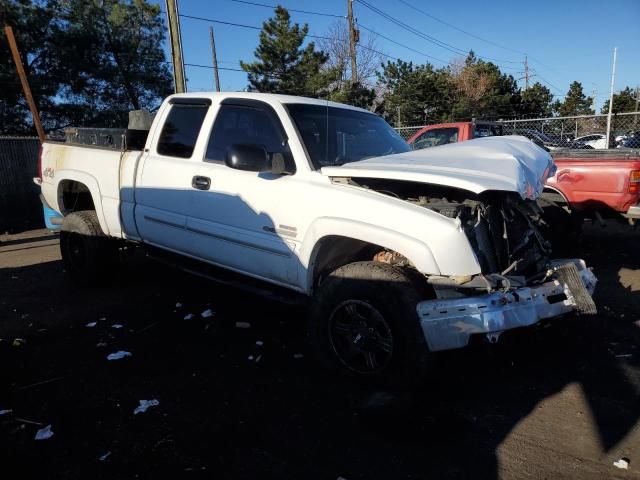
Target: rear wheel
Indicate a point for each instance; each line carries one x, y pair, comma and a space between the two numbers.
89, 256
364, 324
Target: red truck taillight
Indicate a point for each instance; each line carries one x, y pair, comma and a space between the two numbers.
634, 181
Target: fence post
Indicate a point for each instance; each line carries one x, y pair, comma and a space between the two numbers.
576, 134
613, 79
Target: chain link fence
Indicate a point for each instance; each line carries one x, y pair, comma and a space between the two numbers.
580, 132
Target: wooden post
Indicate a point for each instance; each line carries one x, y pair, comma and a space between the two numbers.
175, 41
24, 81
215, 59
352, 42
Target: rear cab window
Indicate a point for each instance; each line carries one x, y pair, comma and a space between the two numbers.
436, 137
181, 129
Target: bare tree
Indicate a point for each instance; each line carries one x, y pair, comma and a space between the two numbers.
337, 47
470, 80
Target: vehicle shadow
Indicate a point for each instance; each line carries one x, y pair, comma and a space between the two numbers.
282, 416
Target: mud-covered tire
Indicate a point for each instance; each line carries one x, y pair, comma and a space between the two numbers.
377, 291
88, 255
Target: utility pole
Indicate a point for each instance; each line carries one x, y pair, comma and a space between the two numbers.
175, 40
25, 82
526, 73
353, 39
613, 79
215, 60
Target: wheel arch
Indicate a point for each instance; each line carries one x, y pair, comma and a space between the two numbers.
80, 191
553, 191
332, 243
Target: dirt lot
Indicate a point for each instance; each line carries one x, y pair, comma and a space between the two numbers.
556, 402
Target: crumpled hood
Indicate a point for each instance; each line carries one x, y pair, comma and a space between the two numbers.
511, 163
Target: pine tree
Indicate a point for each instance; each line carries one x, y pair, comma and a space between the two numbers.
283, 65
575, 102
89, 62
623, 101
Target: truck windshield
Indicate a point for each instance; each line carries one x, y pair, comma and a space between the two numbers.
335, 136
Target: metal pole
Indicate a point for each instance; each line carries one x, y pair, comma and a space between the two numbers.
25, 82
175, 41
352, 42
613, 79
215, 59
635, 117
526, 73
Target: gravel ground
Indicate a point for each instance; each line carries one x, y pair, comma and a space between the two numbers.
561, 401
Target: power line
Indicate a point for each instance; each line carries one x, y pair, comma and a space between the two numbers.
197, 65
289, 9
424, 36
474, 35
460, 29
241, 25
549, 83
401, 44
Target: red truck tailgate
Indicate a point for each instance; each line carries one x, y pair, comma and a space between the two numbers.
597, 179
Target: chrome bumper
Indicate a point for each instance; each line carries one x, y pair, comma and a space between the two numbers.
633, 212
449, 324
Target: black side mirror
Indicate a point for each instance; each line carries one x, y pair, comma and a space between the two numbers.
251, 158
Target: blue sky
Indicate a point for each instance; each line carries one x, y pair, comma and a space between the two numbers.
566, 40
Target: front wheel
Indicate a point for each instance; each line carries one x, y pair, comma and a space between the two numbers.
364, 324
88, 255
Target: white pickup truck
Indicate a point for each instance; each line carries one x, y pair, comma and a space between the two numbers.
400, 252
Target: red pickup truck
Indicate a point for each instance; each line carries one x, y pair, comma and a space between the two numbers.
591, 183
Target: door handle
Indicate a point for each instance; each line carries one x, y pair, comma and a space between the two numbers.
201, 183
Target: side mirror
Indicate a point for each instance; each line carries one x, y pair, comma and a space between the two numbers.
251, 158
255, 158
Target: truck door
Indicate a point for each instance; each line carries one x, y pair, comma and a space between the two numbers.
163, 192
233, 215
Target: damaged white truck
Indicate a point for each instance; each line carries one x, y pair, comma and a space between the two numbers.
400, 253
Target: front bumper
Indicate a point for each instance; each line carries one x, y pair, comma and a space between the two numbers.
449, 324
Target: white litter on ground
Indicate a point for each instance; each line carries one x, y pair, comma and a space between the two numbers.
188, 316
102, 458
178, 305
91, 324
250, 357
44, 433
298, 356
144, 405
207, 313
259, 343
258, 358
4, 412
243, 325
118, 355
102, 319
622, 463
116, 325
101, 344
625, 355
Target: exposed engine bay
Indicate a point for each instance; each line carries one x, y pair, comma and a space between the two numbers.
504, 230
